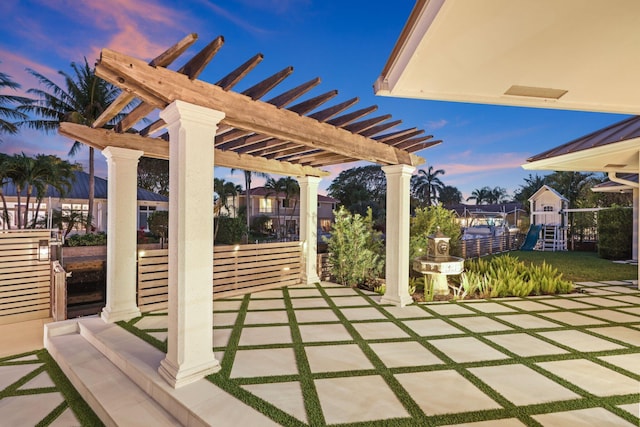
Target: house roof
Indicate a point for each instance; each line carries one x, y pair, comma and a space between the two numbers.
262, 192
569, 54
269, 136
611, 149
80, 190
616, 187
545, 188
617, 132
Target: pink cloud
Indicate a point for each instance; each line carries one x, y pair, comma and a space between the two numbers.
484, 163
15, 65
141, 28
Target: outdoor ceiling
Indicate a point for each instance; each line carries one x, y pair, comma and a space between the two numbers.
565, 54
291, 133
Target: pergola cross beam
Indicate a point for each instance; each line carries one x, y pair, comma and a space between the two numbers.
159, 87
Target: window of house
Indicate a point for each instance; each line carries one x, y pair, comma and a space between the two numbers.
548, 208
143, 216
286, 203
266, 205
78, 211
325, 224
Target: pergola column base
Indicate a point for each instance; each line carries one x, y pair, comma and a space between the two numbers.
116, 316
183, 375
397, 300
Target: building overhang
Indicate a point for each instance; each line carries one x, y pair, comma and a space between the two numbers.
570, 54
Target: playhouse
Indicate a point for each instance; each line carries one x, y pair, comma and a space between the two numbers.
549, 220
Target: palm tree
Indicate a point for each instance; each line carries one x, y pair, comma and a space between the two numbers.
5, 177
291, 189
426, 185
231, 189
6, 112
480, 195
247, 191
56, 173
276, 188
497, 195
85, 97
219, 186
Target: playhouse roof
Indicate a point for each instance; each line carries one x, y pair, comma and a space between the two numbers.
545, 188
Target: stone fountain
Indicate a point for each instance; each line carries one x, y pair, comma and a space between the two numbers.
438, 263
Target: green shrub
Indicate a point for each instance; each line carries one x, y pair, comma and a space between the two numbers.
615, 232
426, 222
230, 230
355, 248
97, 239
505, 275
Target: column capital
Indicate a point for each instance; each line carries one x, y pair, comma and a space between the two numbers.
122, 153
309, 179
398, 169
180, 110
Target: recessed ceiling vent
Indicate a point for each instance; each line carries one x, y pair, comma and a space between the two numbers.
535, 92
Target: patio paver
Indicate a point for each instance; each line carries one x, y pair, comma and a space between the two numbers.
592, 417
331, 355
590, 376
441, 400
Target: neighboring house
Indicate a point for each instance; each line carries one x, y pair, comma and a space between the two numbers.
77, 200
265, 204
548, 207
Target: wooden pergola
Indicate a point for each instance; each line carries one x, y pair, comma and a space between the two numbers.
210, 124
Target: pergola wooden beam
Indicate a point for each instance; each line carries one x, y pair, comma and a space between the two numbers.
258, 90
380, 128
159, 148
162, 60
231, 79
327, 113
311, 104
191, 69
291, 95
159, 87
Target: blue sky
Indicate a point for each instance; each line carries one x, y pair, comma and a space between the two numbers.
345, 43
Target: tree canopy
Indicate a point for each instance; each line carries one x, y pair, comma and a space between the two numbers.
361, 188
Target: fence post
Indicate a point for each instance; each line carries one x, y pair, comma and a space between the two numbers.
58, 292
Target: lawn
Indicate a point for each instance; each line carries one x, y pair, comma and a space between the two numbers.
580, 266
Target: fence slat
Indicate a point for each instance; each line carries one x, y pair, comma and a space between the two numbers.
237, 270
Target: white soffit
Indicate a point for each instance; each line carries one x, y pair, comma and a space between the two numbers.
619, 157
565, 54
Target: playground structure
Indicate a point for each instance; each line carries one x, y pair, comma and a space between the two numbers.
549, 220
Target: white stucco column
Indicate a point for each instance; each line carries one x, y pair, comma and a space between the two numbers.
190, 346
309, 227
397, 234
122, 218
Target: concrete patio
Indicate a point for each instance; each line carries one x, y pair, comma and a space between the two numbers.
326, 355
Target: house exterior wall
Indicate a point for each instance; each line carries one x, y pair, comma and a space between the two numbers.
289, 217
99, 210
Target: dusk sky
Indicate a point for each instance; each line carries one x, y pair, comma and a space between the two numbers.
345, 43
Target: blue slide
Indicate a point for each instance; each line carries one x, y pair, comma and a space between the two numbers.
532, 238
